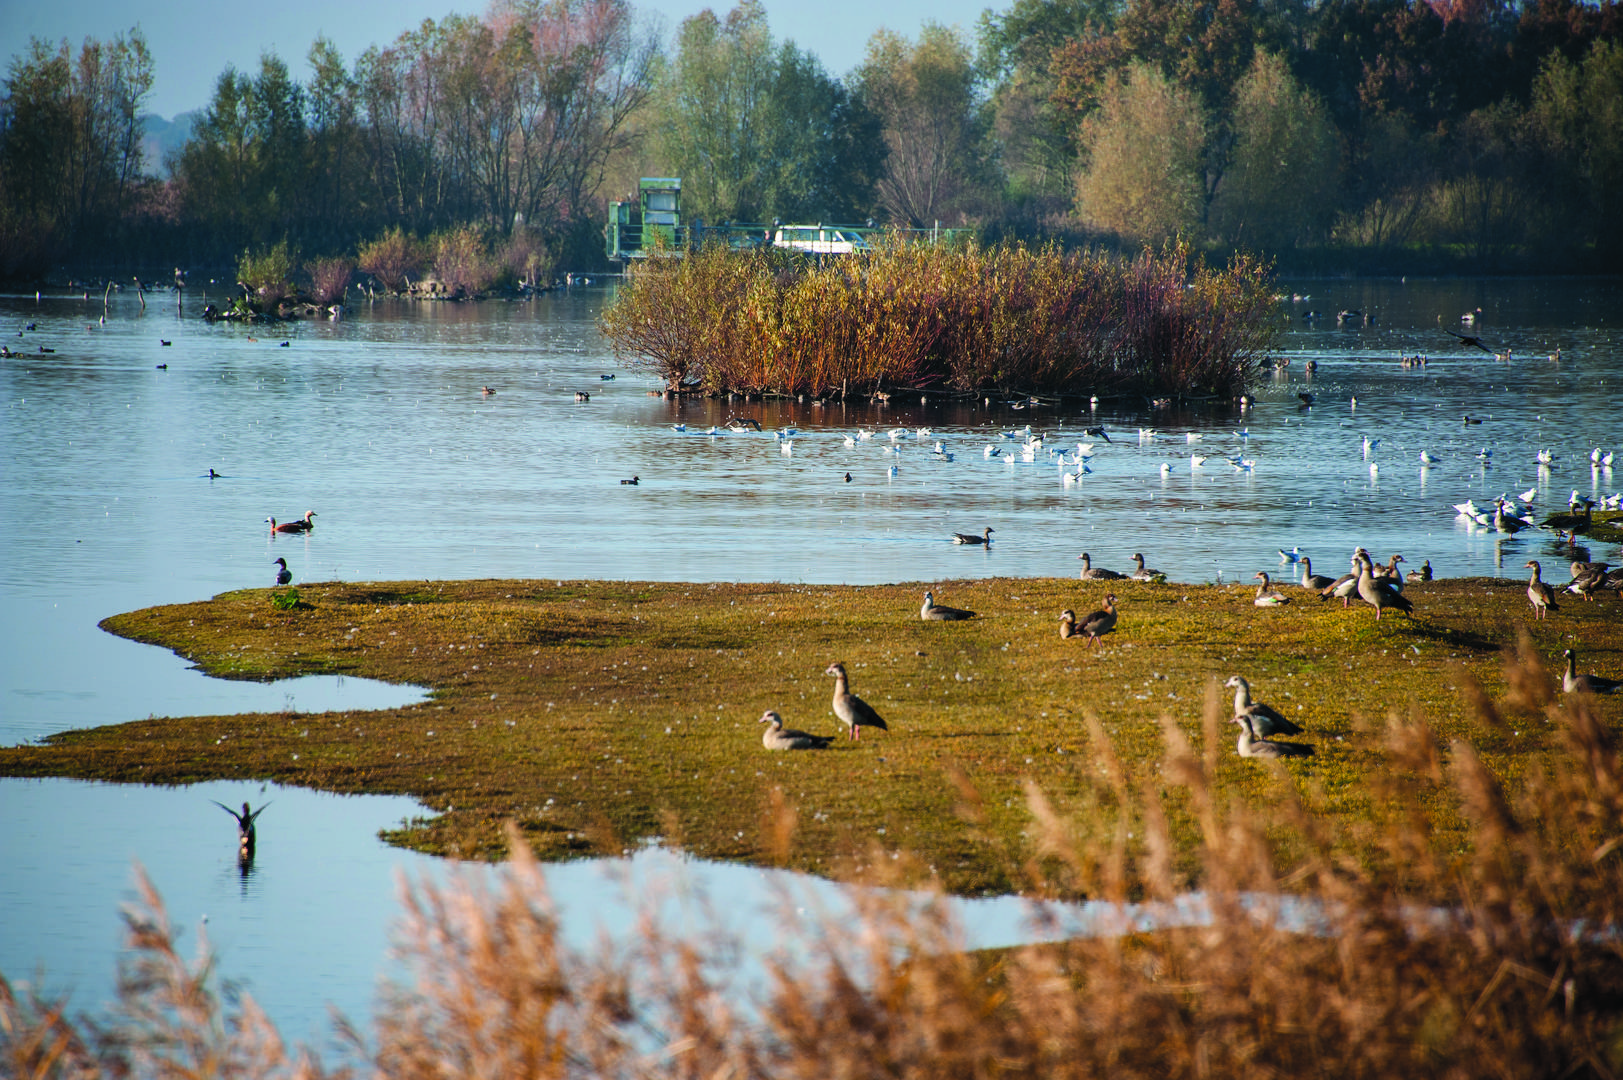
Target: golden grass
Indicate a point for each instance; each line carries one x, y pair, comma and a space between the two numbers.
1501, 959
595, 715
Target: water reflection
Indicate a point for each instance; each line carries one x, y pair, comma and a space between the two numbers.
301, 919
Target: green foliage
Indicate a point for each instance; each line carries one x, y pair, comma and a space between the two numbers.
288, 600
70, 141
1141, 176
757, 129
268, 272
961, 318
1280, 187
1577, 118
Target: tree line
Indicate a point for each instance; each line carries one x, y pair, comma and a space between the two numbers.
1480, 134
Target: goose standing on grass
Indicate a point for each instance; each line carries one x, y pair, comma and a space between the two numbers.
932, 611
1310, 580
778, 737
1250, 745
853, 712
1585, 583
1422, 574
304, 525
1540, 595
971, 538
284, 576
1377, 595
1267, 595
1097, 573
1265, 719
1100, 622
1141, 574
1067, 625
1574, 683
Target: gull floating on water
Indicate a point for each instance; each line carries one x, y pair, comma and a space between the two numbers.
1370, 444
1426, 458
1293, 555
1545, 457
1196, 460
1193, 436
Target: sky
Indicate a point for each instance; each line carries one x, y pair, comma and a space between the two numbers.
192, 41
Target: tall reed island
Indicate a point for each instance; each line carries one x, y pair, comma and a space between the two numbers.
960, 319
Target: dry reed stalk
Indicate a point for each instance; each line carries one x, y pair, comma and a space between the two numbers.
1499, 959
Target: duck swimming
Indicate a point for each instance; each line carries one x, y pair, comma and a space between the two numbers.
304, 525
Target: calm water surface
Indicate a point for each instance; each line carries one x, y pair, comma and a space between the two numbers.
378, 423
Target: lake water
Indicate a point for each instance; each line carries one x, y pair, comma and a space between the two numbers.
377, 422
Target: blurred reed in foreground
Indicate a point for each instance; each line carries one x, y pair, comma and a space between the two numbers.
1500, 959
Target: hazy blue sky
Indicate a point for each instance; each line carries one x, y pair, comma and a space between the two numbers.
192, 41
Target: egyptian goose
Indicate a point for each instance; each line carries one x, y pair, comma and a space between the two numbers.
971, 538
932, 611
853, 712
1265, 719
1388, 575
1267, 595
284, 576
778, 737
1540, 595
1574, 683
1313, 581
1092, 573
1101, 622
1252, 746
1067, 624
1378, 595
304, 525
1142, 574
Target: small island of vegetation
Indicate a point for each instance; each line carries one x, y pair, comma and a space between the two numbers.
947, 319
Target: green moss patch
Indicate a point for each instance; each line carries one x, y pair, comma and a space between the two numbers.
599, 714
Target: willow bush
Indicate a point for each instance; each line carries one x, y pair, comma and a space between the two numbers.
963, 319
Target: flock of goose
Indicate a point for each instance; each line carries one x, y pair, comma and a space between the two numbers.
1381, 587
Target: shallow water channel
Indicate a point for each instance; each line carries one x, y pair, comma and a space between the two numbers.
377, 422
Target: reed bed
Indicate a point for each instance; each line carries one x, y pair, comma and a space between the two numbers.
965, 319
1501, 958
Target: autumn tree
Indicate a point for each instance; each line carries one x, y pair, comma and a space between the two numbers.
1141, 172
925, 96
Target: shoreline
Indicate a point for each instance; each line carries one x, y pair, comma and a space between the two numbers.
601, 714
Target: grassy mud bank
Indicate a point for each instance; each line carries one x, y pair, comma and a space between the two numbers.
597, 714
